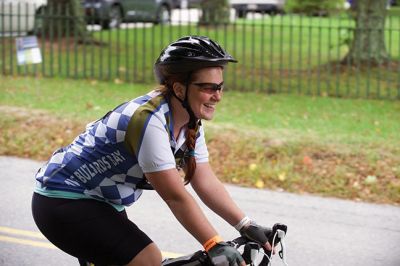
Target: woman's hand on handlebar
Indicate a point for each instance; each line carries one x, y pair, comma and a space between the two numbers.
223, 254
258, 234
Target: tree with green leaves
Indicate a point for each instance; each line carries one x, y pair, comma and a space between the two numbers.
368, 42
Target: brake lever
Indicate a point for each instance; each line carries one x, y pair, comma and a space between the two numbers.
275, 237
282, 252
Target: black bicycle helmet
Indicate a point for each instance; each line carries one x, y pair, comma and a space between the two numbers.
188, 54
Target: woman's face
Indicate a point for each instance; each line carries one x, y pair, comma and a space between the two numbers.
205, 91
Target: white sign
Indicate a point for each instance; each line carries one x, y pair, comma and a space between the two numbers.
28, 51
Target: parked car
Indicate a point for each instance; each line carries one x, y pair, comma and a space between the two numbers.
19, 15
389, 3
242, 7
111, 13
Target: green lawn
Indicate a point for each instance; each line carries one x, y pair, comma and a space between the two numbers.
323, 118
276, 54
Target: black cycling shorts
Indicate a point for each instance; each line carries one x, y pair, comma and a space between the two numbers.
89, 229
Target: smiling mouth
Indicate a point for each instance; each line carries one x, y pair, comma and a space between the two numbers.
210, 105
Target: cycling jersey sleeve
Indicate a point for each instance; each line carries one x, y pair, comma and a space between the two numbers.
154, 153
201, 147
148, 137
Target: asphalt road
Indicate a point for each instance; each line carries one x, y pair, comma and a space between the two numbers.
321, 231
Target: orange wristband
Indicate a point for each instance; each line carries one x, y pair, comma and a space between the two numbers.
210, 243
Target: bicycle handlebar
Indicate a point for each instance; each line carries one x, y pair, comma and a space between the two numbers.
275, 237
249, 254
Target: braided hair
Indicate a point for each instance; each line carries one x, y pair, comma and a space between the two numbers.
189, 158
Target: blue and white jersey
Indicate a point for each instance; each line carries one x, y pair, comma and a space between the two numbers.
109, 158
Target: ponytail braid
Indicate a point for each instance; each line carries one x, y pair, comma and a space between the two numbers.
190, 159
190, 142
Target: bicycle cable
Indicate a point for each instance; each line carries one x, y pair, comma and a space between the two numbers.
282, 252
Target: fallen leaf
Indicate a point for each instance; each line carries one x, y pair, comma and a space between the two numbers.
259, 183
307, 161
118, 81
253, 167
282, 176
371, 179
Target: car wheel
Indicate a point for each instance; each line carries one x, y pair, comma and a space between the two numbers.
115, 18
163, 15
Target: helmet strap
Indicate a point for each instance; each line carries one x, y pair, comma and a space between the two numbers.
193, 120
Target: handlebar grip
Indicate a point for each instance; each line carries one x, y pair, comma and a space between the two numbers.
274, 233
275, 228
250, 246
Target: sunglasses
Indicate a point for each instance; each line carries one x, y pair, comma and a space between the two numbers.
210, 88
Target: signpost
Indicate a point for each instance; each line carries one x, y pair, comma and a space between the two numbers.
28, 51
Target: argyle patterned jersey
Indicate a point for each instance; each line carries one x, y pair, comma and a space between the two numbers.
110, 157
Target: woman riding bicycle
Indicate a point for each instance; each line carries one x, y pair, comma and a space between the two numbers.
81, 192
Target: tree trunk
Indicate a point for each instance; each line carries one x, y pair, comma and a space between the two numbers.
368, 45
214, 12
64, 18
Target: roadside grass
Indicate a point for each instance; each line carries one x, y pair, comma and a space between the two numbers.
344, 148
